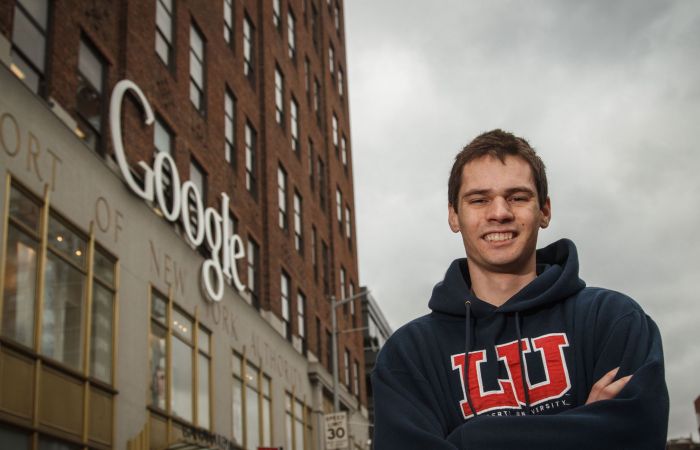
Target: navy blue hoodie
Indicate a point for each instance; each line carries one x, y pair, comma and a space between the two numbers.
532, 397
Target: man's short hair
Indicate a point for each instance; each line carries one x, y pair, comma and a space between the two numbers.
498, 144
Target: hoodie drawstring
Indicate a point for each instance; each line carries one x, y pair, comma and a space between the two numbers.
522, 363
467, 347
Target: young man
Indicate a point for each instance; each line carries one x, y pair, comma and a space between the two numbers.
551, 363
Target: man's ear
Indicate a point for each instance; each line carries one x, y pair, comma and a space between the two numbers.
452, 218
546, 210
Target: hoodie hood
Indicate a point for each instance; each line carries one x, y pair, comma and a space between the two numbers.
557, 279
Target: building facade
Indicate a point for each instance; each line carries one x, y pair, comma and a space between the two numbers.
177, 211
376, 331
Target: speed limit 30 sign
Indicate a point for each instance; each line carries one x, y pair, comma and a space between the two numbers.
336, 430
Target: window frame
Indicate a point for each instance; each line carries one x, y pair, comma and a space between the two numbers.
202, 60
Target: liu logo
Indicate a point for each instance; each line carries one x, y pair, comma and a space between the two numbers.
511, 394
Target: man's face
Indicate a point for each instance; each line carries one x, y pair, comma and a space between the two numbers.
498, 215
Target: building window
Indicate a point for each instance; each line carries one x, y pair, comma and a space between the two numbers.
230, 128
196, 68
339, 207
351, 292
164, 30
318, 338
317, 100
310, 161
253, 259
276, 15
348, 227
331, 59
29, 35
325, 260
251, 138
89, 98
344, 152
301, 318
315, 26
322, 184
356, 378
291, 36
199, 178
294, 117
228, 22
297, 424
335, 133
251, 402
342, 279
248, 48
329, 350
307, 76
298, 224
314, 250
336, 17
175, 370
341, 87
285, 284
279, 97
346, 367
282, 197
163, 142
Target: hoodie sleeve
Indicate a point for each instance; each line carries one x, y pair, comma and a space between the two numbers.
636, 419
406, 413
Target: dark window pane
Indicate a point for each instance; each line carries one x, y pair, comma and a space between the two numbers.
24, 209
12, 438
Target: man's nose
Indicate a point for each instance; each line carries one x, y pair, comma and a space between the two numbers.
500, 210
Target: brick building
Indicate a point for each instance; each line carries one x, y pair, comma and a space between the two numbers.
167, 279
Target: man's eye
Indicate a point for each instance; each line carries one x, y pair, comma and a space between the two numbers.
519, 198
477, 201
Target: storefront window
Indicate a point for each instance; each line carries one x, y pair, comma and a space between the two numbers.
102, 318
61, 330
178, 380
237, 410
181, 369
56, 325
20, 287
158, 360
203, 338
252, 413
297, 424
266, 411
251, 404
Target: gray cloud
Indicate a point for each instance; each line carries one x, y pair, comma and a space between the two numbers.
607, 92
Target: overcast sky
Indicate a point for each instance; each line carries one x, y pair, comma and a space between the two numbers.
608, 93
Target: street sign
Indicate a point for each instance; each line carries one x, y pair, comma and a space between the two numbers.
336, 430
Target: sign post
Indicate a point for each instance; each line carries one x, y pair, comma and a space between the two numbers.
336, 430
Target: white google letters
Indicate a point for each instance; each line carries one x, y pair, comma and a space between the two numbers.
211, 227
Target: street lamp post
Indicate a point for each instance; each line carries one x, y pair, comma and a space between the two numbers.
334, 340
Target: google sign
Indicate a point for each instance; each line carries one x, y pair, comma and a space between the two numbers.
212, 227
